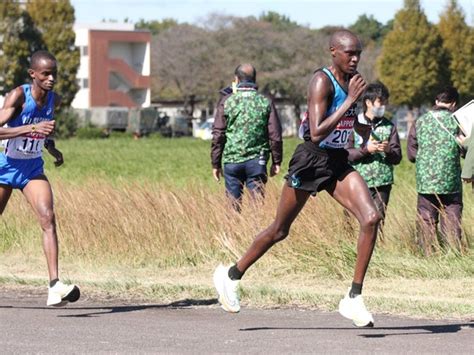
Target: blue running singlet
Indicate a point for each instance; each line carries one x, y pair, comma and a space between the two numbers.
22, 159
339, 136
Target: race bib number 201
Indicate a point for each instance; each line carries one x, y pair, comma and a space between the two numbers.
338, 138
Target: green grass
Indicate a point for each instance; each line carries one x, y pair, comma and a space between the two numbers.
174, 162
144, 219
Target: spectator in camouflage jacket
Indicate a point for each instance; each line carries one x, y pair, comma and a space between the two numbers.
433, 144
374, 151
246, 130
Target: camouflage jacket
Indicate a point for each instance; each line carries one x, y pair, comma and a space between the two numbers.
377, 168
432, 146
245, 123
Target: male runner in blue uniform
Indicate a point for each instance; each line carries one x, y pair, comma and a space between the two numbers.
26, 122
320, 163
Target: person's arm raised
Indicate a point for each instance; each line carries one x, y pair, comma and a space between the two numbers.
12, 107
320, 90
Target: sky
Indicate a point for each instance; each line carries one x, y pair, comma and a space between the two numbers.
313, 13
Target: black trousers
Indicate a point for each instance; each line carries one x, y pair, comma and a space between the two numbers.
443, 208
381, 196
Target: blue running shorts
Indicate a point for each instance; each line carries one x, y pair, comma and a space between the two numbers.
18, 172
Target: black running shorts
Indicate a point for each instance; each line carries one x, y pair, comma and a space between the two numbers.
314, 169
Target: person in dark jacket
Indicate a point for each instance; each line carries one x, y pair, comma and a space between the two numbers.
246, 130
374, 151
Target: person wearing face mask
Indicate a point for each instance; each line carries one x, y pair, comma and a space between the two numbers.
434, 146
374, 151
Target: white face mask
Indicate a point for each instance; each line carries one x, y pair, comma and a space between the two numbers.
378, 111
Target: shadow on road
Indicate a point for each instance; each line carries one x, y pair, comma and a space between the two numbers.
427, 329
102, 310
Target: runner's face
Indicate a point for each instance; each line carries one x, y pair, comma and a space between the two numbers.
346, 55
44, 74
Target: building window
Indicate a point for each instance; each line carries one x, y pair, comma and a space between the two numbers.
83, 83
84, 50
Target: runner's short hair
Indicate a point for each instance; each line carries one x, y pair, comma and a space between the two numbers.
39, 55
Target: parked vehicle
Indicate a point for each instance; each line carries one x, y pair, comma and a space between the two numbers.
204, 131
179, 126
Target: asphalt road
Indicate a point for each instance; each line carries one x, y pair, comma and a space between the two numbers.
200, 326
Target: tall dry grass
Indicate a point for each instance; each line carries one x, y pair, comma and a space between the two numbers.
153, 224
133, 222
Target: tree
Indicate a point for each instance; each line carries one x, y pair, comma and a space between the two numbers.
368, 60
279, 22
372, 33
19, 40
413, 62
329, 30
183, 60
306, 51
368, 28
284, 53
55, 19
193, 63
154, 26
458, 41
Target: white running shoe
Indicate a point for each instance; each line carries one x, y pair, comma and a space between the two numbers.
60, 294
354, 309
226, 289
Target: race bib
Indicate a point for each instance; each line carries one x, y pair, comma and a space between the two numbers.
339, 136
29, 146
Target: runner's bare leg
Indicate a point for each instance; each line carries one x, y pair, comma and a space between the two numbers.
291, 202
40, 196
352, 193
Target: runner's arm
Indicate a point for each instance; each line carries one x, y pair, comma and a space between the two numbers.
356, 154
49, 143
11, 106
319, 93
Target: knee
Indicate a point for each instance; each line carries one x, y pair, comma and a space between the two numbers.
278, 233
47, 219
372, 219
